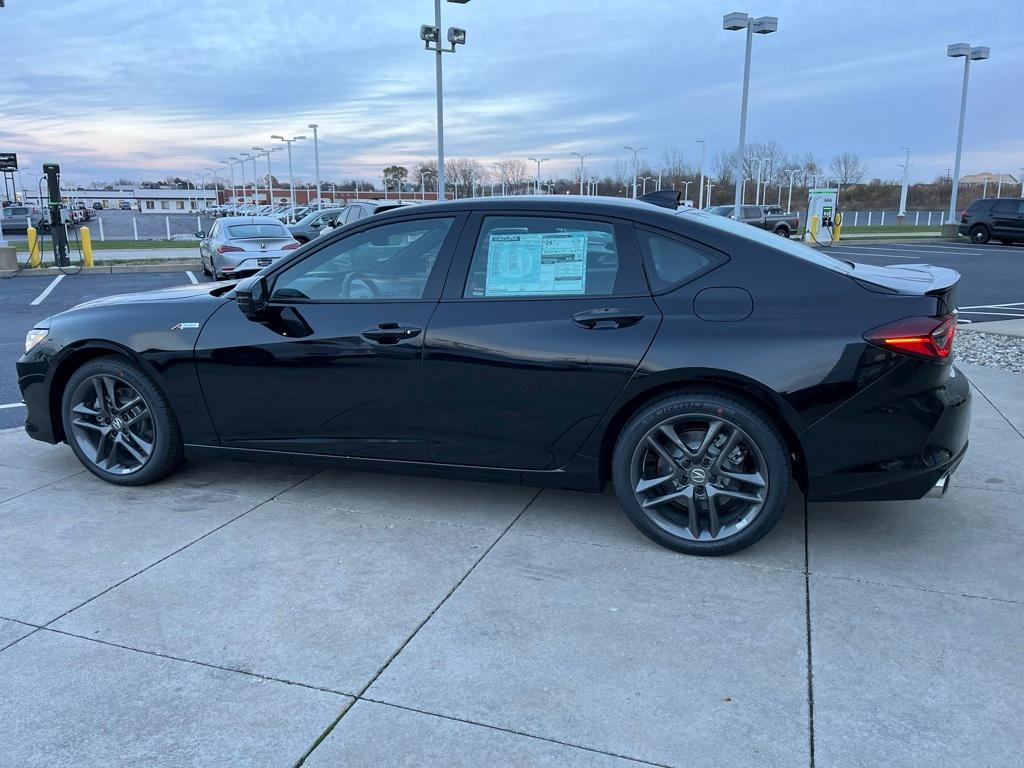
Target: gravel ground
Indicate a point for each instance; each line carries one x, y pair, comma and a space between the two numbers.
991, 349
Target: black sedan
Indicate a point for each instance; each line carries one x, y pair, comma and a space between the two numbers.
701, 366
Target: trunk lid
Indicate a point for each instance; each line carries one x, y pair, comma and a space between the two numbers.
911, 280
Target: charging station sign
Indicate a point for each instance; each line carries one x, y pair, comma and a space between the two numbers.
8, 161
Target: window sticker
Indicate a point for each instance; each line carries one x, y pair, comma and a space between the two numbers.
550, 264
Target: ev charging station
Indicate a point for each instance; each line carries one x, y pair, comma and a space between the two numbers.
823, 217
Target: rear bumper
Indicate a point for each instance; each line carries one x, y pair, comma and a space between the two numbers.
896, 440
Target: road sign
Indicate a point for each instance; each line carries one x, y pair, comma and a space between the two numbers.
8, 161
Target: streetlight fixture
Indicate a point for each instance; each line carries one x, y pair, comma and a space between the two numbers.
581, 156
710, 187
231, 169
636, 163
686, 190
431, 37
255, 174
501, 171
241, 167
968, 53
538, 161
700, 195
791, 172
316, 161
762, 25
645, 179
291, 175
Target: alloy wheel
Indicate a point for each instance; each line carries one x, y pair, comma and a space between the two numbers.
699, 477
112, 424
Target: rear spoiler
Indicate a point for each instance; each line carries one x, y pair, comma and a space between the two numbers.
665, 198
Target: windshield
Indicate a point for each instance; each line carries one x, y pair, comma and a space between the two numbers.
770, 240
721, 210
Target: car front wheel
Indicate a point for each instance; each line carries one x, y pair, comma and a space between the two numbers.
702, 473
119, 424
979, 234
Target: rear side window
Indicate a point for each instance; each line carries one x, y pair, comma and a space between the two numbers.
1006, 206
670, 261
751, 212
241, 231
538, 256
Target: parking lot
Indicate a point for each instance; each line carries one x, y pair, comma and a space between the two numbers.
242, 614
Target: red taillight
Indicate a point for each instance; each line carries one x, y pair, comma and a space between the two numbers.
930, 337
964, 214
291, 246
228, 248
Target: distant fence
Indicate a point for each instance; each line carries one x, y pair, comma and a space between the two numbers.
887, 218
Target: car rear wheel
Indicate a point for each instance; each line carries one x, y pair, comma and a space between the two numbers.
119, 424
979, 234
783, 231
702, 473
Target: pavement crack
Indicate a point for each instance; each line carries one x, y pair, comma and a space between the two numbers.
405, 643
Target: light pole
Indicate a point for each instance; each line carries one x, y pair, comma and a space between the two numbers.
291, 175
686, 190
581, 156
902, 212
538, 161
700, 168
241, 167
757, 190
984, 188
501, 172
762, 25
710, 186
255, 174
270, 176
1022, 183
431, 37
316, 161
968, 54
231, 169
636, 163
791, 172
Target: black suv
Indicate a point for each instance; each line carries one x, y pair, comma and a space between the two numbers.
999, 218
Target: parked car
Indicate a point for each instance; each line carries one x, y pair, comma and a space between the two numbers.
309, 226
361, 209
243, 245
14, 218
97, 206
999, 218
124, 205
701, 366
768, 217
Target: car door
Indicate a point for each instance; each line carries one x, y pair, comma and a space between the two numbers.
205, 244
543, 320
333, 366
1004, 217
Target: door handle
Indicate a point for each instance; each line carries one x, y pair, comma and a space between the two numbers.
391, 333
607, 317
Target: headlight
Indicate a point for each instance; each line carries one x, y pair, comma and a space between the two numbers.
33, 337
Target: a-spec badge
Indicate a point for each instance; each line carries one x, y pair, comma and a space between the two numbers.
184, 326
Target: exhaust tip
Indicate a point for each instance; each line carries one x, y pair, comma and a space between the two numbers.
939, 489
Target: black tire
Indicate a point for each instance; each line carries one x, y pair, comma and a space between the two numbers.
979, 234
658, 523
167, 450
782, 231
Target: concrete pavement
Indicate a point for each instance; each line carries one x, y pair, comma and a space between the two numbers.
241, 614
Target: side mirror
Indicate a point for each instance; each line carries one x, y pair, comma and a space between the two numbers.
200, 235
253, 297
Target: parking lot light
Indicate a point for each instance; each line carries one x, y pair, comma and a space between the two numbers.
700, 169
291, 174
231, 170
791, 172
968, 53
538, 161
636, 163
762, 25
241, 167
430, 34
256, 174
581, 156
316, 160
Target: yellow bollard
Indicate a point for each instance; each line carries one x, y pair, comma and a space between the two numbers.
837, 228
814, 226
35, 255
86, 246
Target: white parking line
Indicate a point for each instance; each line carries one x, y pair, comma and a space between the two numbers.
998, 314
46, 291
192, 277
873, 254
11, 405
989, 306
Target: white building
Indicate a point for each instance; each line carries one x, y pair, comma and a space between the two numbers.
165, 201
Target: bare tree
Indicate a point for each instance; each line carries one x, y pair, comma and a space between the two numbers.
723, 165
463, 173
847, 168
514, 173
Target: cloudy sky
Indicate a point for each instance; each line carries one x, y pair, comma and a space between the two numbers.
144, 89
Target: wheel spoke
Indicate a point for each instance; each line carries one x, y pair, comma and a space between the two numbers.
130, 404
655, 446
84, 410
137, 417
714, 524
90, 425
104, 450
109, 390
751, 478
669, 431
136, 454
682, 493
729, 493
714, 427
97, 386
645, 485
730, 443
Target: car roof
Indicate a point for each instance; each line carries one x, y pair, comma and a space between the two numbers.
593, 204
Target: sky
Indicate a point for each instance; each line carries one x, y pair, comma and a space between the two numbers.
145, 89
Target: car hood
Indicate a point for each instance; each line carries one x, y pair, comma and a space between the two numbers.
202, 291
